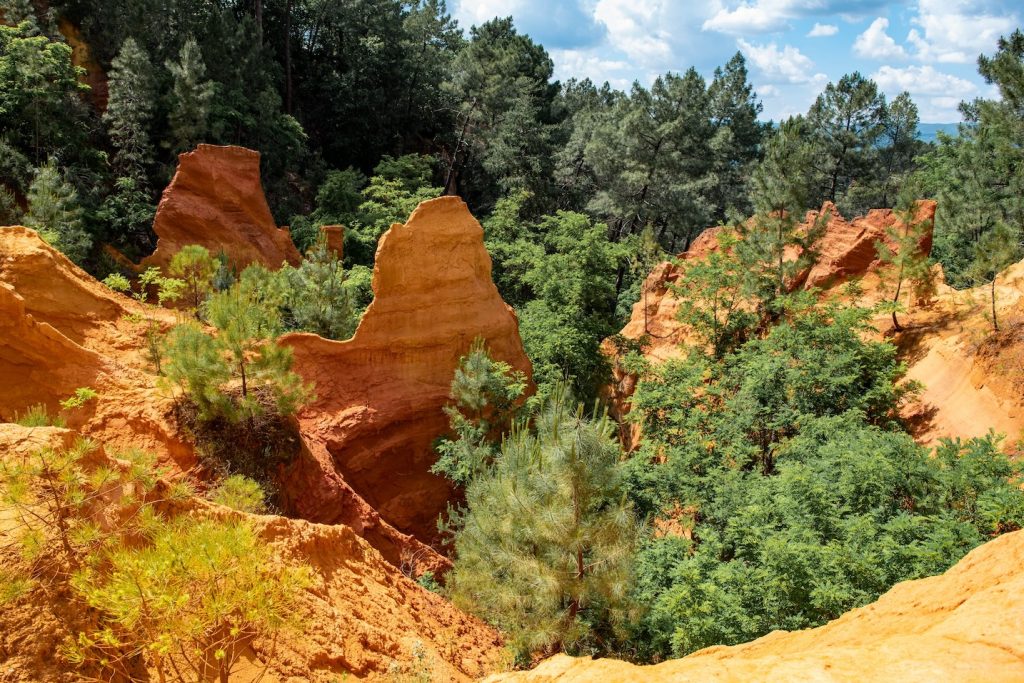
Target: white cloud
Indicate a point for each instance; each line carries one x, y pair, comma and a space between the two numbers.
822, 30
475, 12
787, 65
635, 29
758, 17
957, 31
875, 43
763, 16
582, 64
936, 93
923, 80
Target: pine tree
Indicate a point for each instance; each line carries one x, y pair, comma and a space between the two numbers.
317, 297
55, 213
773, 247
904, 256
847, 121
484, 393
996, 250
196, 268
241, 371
543, 548
130, 110
190, 105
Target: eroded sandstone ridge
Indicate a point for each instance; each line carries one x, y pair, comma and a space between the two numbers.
61, 330
964, 625
968, 373
216, 200
380, 394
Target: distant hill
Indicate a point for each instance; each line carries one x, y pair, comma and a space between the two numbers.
930, 131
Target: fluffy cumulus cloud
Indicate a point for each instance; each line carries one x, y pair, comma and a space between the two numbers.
936, 93
957, 31
875, 43
822, 30
785, 65
763, 16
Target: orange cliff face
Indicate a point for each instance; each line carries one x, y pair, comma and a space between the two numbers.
380, 394
216, 200
62, 330
964, 625
969, 375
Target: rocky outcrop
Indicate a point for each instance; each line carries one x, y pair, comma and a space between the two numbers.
216, 200
971, 375
38, 364
964, 625
380, 394
847, 249
334, 236
61, 330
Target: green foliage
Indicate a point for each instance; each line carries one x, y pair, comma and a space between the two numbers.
38, 416
189, 600
175, 594
396, 188
126, 215
997, 249
560, 274
41, 114
191, 97
129, 110
238, 372
168, 289
714, 299
846, 121
805, 497
81, 396
543, 547
240, 493
976, 176
55, 213
902, 253
118, 282
484, 393
317, 296
194, 266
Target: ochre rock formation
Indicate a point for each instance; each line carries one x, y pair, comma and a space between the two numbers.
334, 235
60, 330
361, 619
964, 625
848, 248
380, 394
971, 378
216, 200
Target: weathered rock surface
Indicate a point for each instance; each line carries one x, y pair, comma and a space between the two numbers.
972, 376
381, 393
216, 200
964, 625
847, 249
60, 330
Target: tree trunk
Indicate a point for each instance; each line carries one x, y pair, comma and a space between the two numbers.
895, 301
257, 13
288, 57
995, 322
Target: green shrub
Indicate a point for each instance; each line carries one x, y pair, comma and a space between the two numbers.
240, 493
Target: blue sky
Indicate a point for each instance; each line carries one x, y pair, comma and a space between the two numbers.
793, 47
